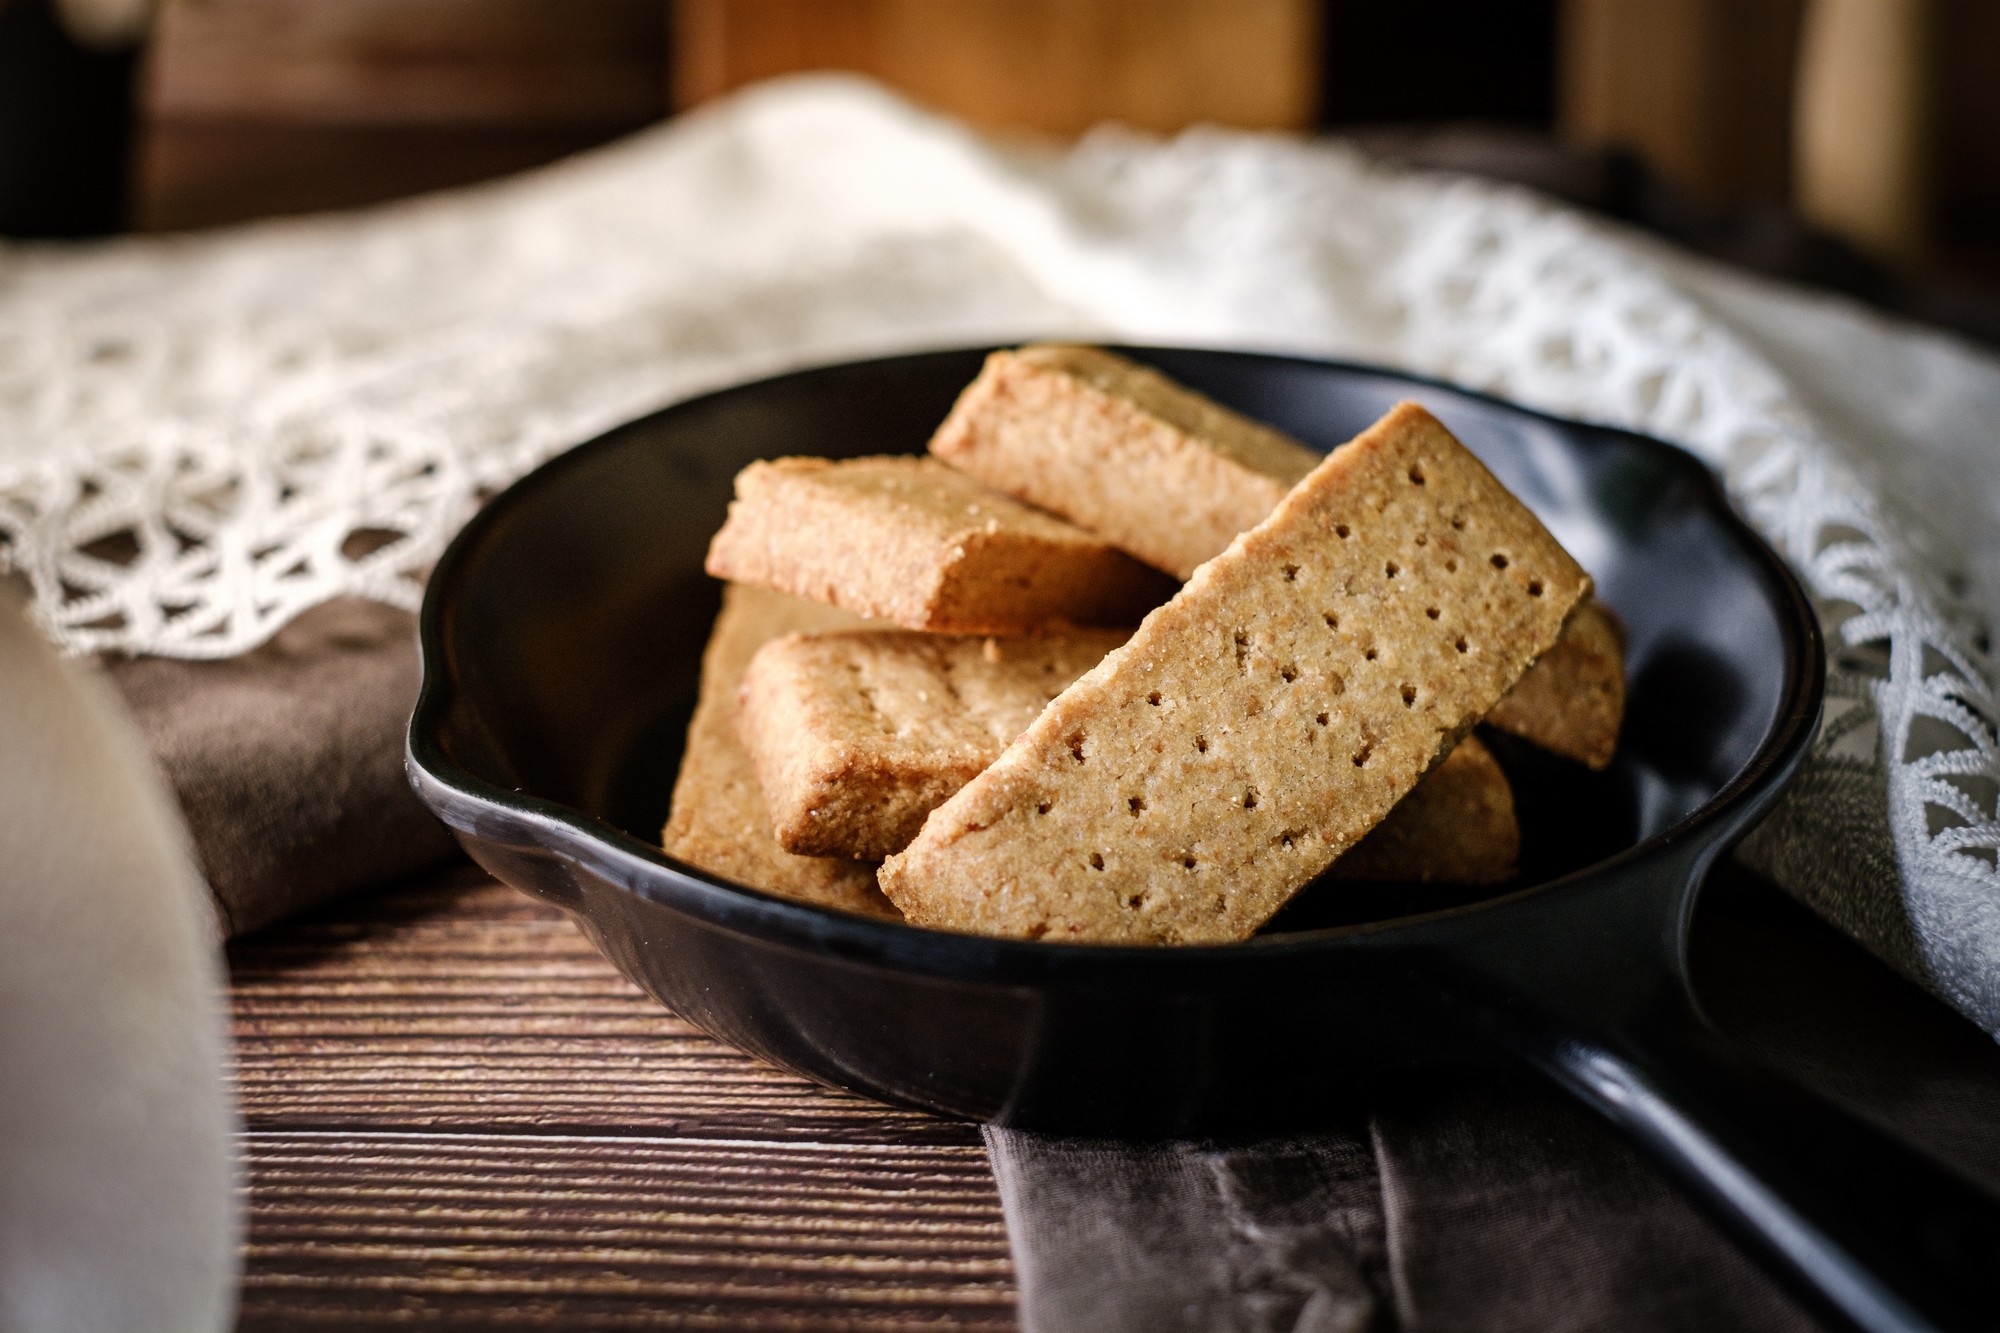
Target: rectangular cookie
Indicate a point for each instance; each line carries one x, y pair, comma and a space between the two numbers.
1150, 466
1170, 476
1457, 826
925, 546
1255, 727
856, 736
1572, 701
718, 822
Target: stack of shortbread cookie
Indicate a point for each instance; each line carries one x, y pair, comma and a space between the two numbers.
925, 696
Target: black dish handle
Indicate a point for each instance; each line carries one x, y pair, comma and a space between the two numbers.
1878, 1231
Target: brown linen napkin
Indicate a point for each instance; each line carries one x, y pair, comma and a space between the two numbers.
288, 760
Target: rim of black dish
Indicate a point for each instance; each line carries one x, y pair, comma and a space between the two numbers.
648, 871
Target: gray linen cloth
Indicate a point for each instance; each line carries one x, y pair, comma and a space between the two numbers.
288, 760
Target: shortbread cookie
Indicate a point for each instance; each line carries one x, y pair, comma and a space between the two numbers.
718, 822
1263, 720
1457, 826
1153, 468
1164, 473
1572, 701
912, 541
857, 736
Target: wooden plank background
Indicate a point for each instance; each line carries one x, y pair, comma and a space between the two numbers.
250, 108
457, 1114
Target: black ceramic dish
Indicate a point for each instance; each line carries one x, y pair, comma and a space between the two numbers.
562, 637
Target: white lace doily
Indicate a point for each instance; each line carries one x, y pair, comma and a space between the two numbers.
201, 437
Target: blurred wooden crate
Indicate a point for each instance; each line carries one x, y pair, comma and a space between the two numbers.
1878, 120
1702, 89
276, 106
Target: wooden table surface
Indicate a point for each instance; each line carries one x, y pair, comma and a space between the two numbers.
457, 1114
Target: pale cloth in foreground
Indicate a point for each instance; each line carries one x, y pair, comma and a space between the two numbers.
118, 1207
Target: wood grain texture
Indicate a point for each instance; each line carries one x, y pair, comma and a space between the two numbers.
206, 173
254, 108
459, 1115
408, 62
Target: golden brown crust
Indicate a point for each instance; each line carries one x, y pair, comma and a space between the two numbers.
857, 736
1572, 701
1163, 473
718, 822
1457, 826
1258, 724
911, 541
1154, 468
